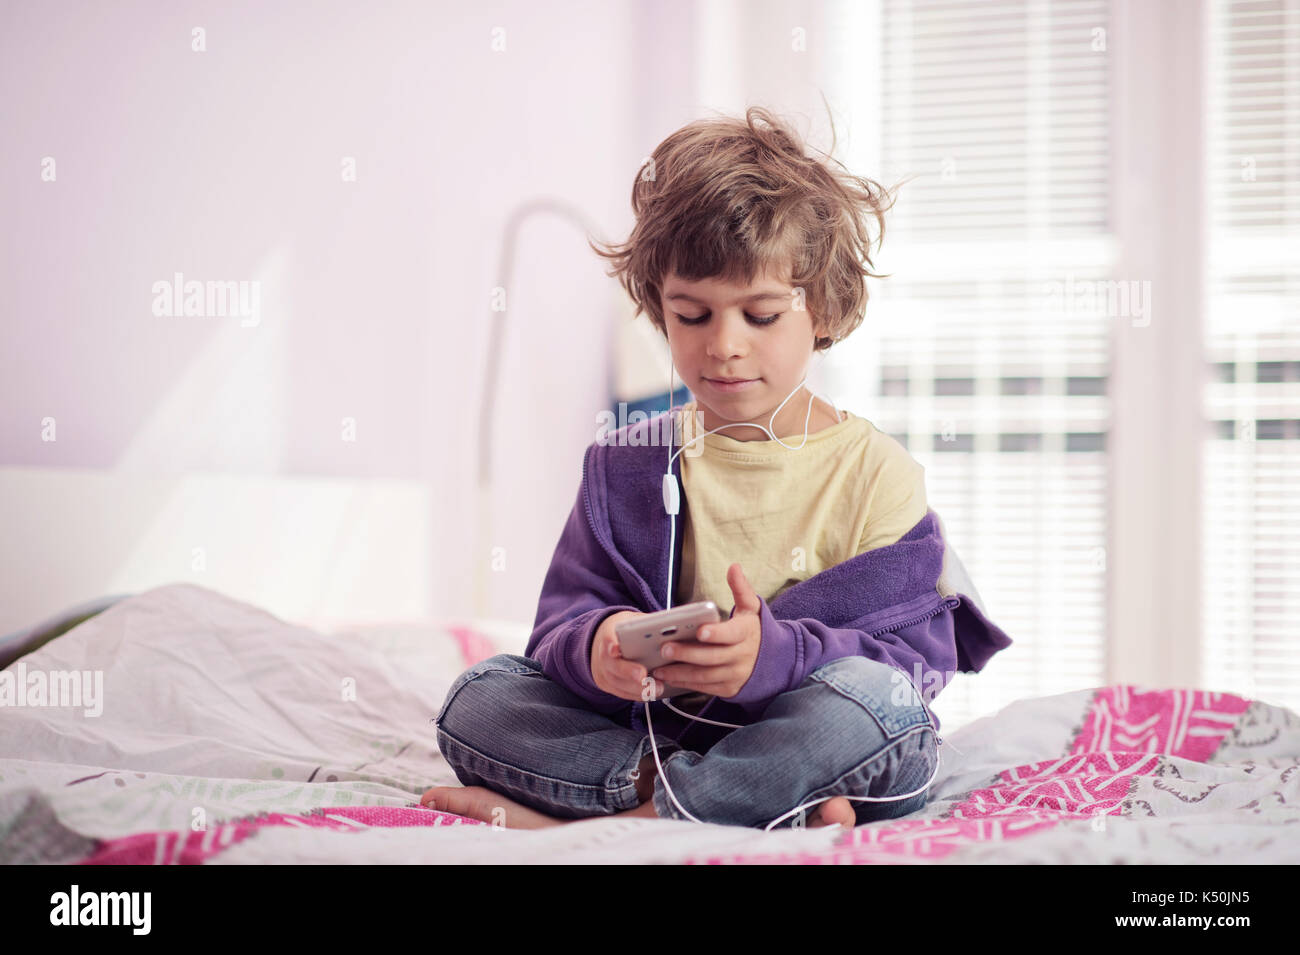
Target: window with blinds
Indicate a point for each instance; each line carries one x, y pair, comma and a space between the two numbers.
1251, 457
986, 350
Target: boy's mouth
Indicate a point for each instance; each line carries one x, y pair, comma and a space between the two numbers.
727, 387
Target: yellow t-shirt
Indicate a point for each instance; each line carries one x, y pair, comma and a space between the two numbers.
787, 515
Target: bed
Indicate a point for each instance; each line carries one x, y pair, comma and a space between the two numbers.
226, 735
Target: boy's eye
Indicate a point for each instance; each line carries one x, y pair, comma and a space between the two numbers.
756, 319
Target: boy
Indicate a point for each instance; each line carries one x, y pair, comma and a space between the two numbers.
843, 596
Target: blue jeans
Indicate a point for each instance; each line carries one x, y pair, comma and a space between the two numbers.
507, 726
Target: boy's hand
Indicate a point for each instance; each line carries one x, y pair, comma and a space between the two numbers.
614, 673
721, 661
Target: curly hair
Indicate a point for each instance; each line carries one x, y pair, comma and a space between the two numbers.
727, 198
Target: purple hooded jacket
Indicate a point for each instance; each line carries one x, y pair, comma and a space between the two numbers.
909, 605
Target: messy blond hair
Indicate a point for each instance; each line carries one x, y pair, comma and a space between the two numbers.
727, 198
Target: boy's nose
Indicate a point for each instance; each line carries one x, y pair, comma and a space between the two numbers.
726, 342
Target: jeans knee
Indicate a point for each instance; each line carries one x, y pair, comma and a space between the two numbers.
485, 673
898, 778
915, 770
884, 692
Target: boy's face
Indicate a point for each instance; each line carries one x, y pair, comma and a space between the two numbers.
729, 343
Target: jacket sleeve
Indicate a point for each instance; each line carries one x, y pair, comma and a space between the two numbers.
924, 650
581, 588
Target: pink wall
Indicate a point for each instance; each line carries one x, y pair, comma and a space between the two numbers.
225, 165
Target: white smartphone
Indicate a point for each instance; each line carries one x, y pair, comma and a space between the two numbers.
640, 638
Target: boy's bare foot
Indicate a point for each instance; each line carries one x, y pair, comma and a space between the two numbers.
836, 809
486, 805
479, 802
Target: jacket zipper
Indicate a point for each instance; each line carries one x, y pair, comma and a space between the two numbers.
609, 551
943, 605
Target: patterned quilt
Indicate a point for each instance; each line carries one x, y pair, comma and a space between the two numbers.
225, 735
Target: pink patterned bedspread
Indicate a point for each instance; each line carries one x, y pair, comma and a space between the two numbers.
1116, 774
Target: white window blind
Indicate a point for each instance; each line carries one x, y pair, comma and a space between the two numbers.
1251, 459
986, 351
